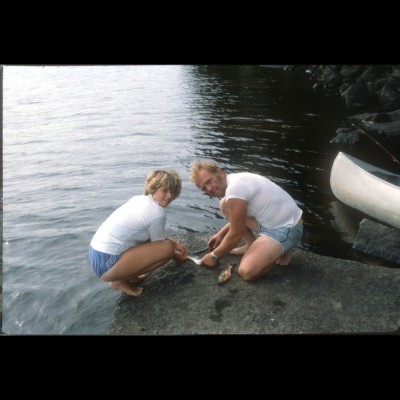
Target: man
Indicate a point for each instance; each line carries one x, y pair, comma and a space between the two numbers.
258, 210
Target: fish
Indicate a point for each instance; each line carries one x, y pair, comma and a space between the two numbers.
196, 260
225, 275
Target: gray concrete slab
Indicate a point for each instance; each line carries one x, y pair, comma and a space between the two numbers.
313, 295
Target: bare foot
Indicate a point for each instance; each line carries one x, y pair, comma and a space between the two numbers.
284, 259
239, 250
127, 288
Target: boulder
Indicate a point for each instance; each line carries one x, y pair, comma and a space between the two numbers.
378, 240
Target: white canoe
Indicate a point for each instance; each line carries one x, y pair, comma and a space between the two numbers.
369, 189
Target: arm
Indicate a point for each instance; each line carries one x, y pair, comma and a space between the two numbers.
218, 237
179, 247
235, 230
181, 251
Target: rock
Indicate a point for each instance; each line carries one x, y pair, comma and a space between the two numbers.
378, 240
379, 118
356, 96
314, 294
390, 129
362, 86
346, 138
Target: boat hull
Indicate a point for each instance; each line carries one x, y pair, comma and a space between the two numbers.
369, 189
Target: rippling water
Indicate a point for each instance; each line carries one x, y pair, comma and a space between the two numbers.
79, 141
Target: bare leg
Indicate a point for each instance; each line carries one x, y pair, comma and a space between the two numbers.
136, 262
252, 226
259, 258
127, 288
238, 251
249, 239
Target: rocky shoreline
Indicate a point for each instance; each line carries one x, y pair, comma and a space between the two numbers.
371, 94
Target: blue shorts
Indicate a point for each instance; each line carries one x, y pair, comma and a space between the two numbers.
288, 238
101, 262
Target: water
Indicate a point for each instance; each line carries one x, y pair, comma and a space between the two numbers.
78, 142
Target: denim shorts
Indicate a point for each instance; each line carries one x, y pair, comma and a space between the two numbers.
288, 238
101, 262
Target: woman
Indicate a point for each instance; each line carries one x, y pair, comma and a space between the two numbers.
131, 241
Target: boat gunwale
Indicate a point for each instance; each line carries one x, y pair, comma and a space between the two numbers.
364, 170
385, 212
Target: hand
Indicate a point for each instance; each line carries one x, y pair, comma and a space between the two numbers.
181, 248
180, 257
207, 261
214, 241
181, 252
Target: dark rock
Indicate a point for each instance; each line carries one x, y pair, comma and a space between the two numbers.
378, 240
379, 117
379, 84
351, 72
394, 79
331, 77
389, 129
346, 138
371, 73
389, 98
356, 96
364, 87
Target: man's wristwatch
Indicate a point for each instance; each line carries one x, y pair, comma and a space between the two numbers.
214, 257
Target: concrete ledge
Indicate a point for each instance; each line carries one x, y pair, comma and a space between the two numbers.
313, 295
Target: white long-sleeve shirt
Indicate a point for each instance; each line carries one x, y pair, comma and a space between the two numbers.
138, 220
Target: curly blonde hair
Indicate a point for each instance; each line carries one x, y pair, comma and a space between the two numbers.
196, 166
167, 180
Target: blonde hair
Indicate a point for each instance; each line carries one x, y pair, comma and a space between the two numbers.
196, 166
167, 180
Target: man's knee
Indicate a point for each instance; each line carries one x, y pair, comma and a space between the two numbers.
250, 272
245, 273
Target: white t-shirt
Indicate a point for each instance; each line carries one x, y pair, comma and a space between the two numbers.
267, 202
138, 220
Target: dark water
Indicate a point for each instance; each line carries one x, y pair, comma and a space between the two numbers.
79, 141
270, 122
